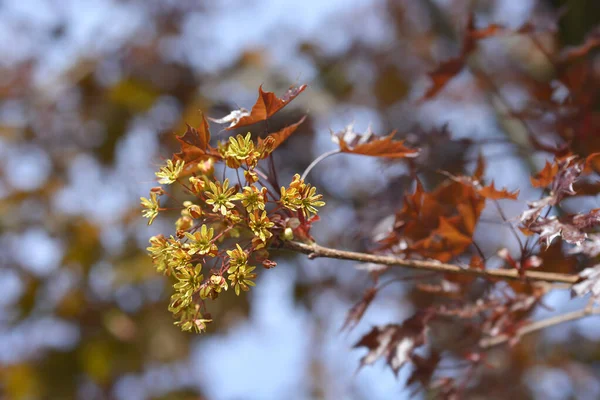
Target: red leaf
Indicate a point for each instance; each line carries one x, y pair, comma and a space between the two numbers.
380, 147
357, 311
266, 105
282, 135
444, 243
479, 169
590, 282
545, 176
490, 192
194, 143
588, 162
394, 342
442, 75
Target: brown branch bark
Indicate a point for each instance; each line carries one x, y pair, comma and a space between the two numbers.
539, 325
314, 250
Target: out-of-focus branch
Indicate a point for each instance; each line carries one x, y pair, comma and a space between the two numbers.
539, 325
314, 250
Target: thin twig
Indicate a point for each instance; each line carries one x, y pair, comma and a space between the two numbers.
539, 325
318, 160
512, 228
314, 250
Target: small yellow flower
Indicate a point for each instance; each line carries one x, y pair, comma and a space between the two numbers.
178, 257
290, 198
266, 146
240, 149
311, 200
188, 283
200, 242
197, 184
191, 210
252, 198
260, 225
211, 289
184, 223
191, 318
159, 251
170, 173
251, 176
241, 277
237, 257
151, 207
207, 167
220, 196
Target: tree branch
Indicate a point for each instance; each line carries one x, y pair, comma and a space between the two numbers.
539, 325
314, 250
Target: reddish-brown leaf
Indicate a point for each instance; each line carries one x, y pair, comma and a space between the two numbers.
545, 176
445, 242
590, 283
358, 310
424, 369
490, 192
194, 143
380, 147
394, 342
282, 135
438, 224
443, 74
479, 169
588, 162
266, 105
450, 68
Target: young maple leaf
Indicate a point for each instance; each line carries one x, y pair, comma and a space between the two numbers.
281, 136
560, 176
551, 228
394, 342
450, 68
194, 143
266, 105
590, 282
444, 243
490, 192
424, 369
589, 247
357, 311
369, 144
545, 176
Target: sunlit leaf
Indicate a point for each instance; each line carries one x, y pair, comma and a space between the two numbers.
266, 105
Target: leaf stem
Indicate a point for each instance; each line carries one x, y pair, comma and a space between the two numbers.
318, 160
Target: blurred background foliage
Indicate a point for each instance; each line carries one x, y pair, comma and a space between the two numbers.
91, 93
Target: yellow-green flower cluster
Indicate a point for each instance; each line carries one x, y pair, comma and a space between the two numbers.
188, 283
301, 196
240, 273
261, 225
241, 150
222, 229
170, 173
